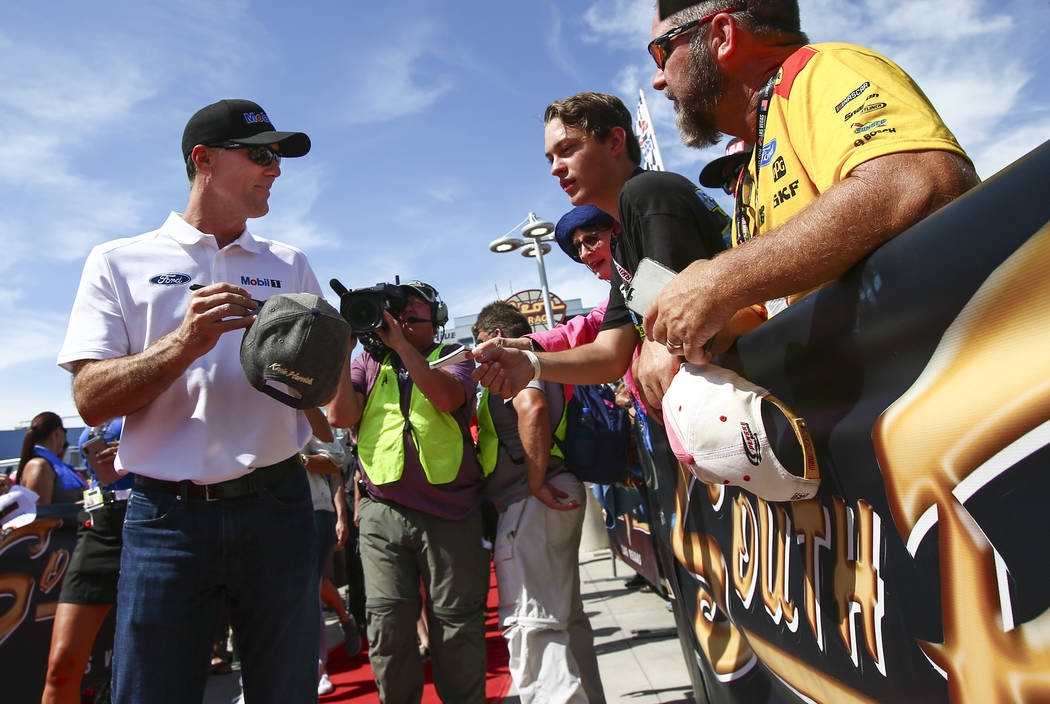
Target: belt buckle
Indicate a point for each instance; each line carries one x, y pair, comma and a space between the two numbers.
210, 494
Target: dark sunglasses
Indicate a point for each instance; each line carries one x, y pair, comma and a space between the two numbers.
258, 153
660, 48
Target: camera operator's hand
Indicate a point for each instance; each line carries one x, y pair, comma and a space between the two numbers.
392, 335
409, 339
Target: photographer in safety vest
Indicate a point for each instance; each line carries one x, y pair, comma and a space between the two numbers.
418, 513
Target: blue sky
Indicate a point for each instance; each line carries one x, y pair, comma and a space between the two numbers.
426, 121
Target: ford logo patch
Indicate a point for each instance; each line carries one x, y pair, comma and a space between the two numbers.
768, 150
170, 279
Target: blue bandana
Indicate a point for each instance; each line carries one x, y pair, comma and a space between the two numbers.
67, 476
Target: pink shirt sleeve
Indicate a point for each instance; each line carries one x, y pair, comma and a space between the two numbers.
578, 331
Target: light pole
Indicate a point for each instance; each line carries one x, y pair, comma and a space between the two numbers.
540, 232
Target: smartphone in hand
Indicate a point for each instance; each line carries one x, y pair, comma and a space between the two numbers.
648, 281
92, 447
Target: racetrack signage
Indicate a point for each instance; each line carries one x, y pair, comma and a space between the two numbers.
530, 303
918, 572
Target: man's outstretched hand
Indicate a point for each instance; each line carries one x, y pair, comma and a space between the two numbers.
501, 369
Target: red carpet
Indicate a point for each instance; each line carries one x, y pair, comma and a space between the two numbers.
354, 681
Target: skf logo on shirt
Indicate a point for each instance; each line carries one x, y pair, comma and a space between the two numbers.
170, 279
265, 283
256, 117
786, 193
278, 368
752, 448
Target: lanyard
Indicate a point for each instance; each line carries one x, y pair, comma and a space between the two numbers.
761, 114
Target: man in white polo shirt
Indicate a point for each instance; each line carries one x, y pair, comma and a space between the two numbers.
221, 507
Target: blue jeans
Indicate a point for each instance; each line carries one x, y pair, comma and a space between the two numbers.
324, 527
181, 558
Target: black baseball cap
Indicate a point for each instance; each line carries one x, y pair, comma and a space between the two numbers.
239, 122
714, 174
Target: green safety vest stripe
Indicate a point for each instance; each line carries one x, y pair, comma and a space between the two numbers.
488, 441
381, 446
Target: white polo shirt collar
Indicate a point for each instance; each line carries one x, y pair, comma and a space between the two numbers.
184, 233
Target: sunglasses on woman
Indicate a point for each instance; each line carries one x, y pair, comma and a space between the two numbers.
589, 239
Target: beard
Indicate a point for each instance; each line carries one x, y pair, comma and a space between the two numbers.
694, 109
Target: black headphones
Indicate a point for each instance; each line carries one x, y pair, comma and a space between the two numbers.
438, 309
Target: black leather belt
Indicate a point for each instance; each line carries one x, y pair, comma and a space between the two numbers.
248, 485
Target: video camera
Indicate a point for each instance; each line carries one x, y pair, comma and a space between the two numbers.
363, 308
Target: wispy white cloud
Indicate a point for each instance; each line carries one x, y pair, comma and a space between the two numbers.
629, 80
54, 104
402, 75
974, 62
73, 109
626, 22
444, 194
39, 335
557, 44
993, 155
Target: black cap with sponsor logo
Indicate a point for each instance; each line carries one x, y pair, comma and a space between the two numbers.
714, 174
295, 351
239, 122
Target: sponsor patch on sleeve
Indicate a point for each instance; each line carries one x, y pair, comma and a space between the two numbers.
857, 92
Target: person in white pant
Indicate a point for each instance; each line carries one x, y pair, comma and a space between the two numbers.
540, 505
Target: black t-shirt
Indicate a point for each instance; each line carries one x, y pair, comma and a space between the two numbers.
663, 217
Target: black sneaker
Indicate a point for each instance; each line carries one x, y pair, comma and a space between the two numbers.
636, 582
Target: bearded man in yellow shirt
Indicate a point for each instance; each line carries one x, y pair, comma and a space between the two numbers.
848, 154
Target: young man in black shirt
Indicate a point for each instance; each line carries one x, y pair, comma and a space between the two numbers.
595, 156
